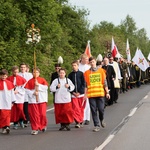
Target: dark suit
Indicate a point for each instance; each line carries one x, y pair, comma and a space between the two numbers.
123, 68
110, 74
53, 77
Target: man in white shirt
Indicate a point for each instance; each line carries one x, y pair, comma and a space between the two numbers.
118, 77
27, 76
84, 66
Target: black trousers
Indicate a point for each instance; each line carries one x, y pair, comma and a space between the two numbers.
112, 96
97, 105
25, 109
116, 92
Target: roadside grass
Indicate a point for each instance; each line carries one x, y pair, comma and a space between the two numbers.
50, 98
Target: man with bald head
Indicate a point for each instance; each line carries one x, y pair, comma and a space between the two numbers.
110, 76
117, 78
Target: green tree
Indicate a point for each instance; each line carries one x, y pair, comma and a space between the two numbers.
12, 27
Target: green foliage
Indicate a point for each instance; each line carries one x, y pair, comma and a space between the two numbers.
102, 33
64, 32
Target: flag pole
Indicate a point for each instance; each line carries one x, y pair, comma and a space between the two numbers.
33, 37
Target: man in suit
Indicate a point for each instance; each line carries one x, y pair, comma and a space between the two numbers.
54, 76
110, 76
123, 68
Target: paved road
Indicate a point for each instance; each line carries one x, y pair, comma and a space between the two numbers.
76, 139
135, 130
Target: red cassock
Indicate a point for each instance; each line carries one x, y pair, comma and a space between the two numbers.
37, 111
19, 80
5, 114
78, 105
37, 114
17, 112
31, 83
4, 118
9, 85
63, 113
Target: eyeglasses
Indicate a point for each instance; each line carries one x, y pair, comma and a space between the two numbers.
57, 67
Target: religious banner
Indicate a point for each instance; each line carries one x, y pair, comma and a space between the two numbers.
128, 51
88, 50
140, 60
114, 50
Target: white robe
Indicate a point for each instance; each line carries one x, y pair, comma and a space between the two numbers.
20, 96
84, 67
62, 94
118, 74
6, 98
42, 96
27, 76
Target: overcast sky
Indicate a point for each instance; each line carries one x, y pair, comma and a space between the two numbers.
116, 10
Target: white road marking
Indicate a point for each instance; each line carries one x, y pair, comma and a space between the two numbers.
50, 109
132, 112
146, 97
123, 122
110, 137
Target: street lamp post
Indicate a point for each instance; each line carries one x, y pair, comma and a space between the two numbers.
33, 37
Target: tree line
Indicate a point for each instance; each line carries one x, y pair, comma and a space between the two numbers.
64, 30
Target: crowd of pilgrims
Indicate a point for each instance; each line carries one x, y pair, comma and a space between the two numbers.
24, 95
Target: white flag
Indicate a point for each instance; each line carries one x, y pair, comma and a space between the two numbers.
148, 57
140, 60
128, 51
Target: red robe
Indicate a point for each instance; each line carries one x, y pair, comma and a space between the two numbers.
63, 113
4, 118
9, 84
31, 83
17, 112
19, 80
78, 106
5, 114
37, 112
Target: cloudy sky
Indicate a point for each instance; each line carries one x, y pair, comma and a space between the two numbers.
116, 10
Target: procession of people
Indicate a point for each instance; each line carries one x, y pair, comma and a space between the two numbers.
87, 90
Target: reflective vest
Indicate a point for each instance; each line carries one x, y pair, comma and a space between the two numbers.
95, 82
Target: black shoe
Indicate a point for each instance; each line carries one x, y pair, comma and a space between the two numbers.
67, 127
87, 122
7, 130
44, 130
110, 103
26, 123
81, 124
77, 125
103, 124
61, 128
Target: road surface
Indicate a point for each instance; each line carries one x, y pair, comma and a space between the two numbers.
76, 139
